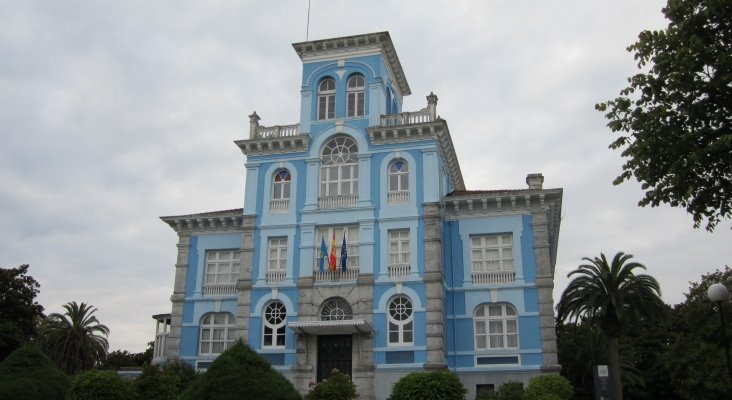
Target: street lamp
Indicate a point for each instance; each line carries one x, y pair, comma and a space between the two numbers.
719, 293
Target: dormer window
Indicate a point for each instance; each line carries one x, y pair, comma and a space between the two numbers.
326, 99
355, 96
398, 182
281, 191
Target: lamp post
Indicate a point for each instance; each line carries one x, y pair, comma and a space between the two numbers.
719, 293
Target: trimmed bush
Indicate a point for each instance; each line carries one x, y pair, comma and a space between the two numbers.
99, 385
434, 385
154, 384
240, 373
28, 374
338, 386
511, 390
549, 387
183, 373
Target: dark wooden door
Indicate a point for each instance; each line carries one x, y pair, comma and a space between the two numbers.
334, 351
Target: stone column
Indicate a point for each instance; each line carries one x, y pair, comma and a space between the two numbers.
545, 286
434, 282
172, 345
244, 283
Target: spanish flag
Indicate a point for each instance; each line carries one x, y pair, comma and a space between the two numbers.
332, 259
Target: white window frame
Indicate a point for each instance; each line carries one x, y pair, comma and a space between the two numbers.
326, 99
339, 167
482, 249
274, 319
495, 326
222, 267
400, 316
399, 252
355, 96
398, 182
326, 233
216, 335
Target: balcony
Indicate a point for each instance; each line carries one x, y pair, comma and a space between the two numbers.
219, 289
398, 197
275, 276
350, 274
399, 270
338, 201
493, 278
279, 206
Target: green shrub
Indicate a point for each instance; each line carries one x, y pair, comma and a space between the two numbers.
240, 373
549, 387
338, 386
154, 384
183, 373
99, 385
29, 375
434, 385
511, 390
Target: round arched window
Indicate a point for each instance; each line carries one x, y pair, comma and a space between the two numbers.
335, 309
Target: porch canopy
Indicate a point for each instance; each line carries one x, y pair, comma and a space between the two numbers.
334, 327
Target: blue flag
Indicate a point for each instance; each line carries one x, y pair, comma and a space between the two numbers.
323, 254
344, 253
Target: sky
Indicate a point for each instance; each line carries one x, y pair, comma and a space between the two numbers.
113, 114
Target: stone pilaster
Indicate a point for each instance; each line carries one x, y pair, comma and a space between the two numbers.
172, 345
545, 286
244, 283
434, 282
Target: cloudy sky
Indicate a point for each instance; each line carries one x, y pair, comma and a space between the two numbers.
115, 113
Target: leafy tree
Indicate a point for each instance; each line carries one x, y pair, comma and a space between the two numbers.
613, 297
434, 385
182, 373
695, 361
124, 359
29, 375
155, 384
240, 373
675, 119
19, 312
75, 340
511, 390
549, 387
338, 386
99, 385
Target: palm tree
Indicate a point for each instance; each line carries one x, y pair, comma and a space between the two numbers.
75, 340
613, 297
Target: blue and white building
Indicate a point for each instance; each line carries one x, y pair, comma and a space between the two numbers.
358, 246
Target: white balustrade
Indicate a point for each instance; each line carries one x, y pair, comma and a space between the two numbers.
399, 270
338, 201
399, 197
350, 274
406, 118
277, 131
488, 278
279, 206
275, 276
219, 289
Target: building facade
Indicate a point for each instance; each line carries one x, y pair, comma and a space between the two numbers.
358, 246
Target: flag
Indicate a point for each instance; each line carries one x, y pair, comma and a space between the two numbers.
333, 253
323, 254
344, 253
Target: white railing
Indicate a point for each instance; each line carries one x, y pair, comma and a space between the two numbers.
405, 118
160, 340
275, 276
399, 270
399, 197
350, 274
219, 289
488, 278
338, 201
279, 206
277, 131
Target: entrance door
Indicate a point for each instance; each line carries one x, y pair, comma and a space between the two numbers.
334, 351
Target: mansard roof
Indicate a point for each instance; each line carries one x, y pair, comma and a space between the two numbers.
335, 48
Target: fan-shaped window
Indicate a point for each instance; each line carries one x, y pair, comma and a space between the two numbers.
326, 99
217, 333
335, 309
339, 172
275, 316
398, 182
281, 191
496, 327
355, 89
401, 326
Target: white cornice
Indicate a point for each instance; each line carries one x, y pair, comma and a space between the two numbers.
217, 221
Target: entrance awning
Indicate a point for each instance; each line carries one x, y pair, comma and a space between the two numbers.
330, 327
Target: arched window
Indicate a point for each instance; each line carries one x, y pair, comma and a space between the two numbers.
398, 182
355, 89
496, 327
326, 99
275, 316
217, 333
281, 191
335, 309
339, 172
401, 325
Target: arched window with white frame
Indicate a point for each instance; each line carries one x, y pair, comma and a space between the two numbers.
275, 318
398, 182
339, 173
217, 333
401, 321
496, 327
281, 191
355, 96
326, 99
